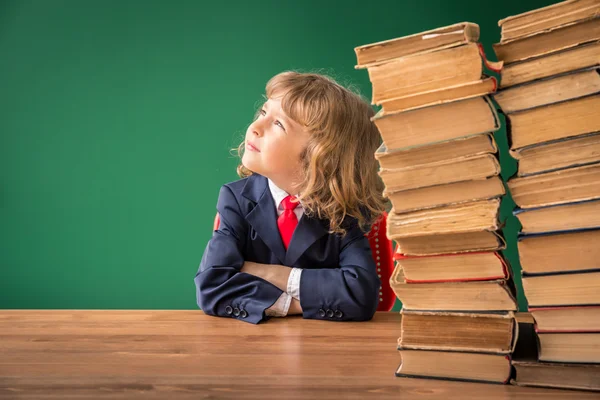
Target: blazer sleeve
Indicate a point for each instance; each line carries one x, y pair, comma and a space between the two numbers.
347, 293
221, 289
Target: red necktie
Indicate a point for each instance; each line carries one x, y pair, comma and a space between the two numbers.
287, 221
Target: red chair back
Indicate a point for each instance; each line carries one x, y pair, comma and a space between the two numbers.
382, 251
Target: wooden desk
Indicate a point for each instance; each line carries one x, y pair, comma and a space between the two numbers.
186, 354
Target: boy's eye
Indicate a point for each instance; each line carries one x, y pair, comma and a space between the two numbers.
263, 112
280, 124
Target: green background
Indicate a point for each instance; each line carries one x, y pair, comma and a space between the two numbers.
117, 119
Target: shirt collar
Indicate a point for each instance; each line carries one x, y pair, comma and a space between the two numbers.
278, 194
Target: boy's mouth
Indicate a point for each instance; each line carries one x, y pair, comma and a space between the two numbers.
251, 147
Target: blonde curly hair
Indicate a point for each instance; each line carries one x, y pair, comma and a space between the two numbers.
340, 170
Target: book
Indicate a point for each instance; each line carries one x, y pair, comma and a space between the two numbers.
431, 40
548, 41
436, 152
450, 243
550, 90
491, 296
466, 217
562, 217
446, 171
570, 347
445, 194
531, 372
553, 122
476, 367
566, 319
557, 375
453, 267
448, 68
558, 187
485, 86
559, 251
430, 124
565, 153
455, 331
579, 57
546, 18
562, 289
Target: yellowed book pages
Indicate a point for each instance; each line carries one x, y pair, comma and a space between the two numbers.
556, 121
545, 18
558, 187
431, 40
579, 57
447, 194
573, 152
438, 123
440, 96
550, 41
460, 169
466, 217
549, 91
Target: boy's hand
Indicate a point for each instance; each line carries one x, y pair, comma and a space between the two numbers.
277, 275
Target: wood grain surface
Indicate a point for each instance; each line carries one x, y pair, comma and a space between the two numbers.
124, 354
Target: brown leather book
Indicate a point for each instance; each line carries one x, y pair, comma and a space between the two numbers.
456, 331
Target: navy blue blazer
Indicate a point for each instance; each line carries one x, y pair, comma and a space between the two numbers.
339, 279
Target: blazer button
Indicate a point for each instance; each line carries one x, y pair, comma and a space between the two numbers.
228, 310
321, 312
329, 313
236, 312
243, 313
338, 314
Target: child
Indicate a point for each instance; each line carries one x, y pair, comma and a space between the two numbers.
291, 234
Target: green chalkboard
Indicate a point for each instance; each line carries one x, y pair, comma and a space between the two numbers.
117, 119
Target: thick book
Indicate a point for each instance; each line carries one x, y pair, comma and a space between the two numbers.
485, 86
553, 252
455, 331
531, 372
459, 218
558, 187
421, 73
437, 152
566, 319
475, 367
481, 296
582, 56
550, 90
562, 154
562, 289
418, 43
570, 347
562, 217
549, 41
553, 122
437, 123
460, 267
445, 194
547, 18
442, 172
451, 243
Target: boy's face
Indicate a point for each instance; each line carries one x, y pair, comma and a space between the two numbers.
274, 144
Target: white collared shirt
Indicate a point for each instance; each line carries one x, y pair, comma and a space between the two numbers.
281, 307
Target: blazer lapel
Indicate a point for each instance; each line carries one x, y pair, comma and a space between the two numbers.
308, 231
263, 217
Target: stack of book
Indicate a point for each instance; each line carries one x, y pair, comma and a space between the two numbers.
550, 93
439, 164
